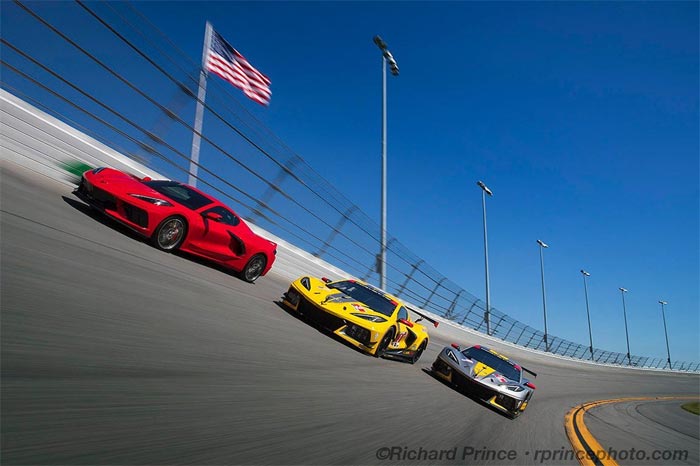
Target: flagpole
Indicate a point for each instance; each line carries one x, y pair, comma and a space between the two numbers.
199, 112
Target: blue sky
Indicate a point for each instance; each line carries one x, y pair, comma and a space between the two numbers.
582, 117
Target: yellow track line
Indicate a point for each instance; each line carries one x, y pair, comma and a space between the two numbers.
586, 448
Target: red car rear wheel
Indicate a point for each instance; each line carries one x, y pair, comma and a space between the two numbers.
254, 268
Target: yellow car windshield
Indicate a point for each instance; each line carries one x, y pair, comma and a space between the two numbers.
366, 296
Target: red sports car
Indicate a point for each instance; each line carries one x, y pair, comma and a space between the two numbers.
174, 216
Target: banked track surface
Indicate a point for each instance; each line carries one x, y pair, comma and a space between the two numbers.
116, 353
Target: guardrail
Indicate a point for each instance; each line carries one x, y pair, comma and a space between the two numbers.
144, 125
44, 144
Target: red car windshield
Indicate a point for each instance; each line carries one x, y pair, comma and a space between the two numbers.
180, 193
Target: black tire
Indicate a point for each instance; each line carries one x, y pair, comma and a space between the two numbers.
419, 352
384, 343
170, 234
254, 268
440, 367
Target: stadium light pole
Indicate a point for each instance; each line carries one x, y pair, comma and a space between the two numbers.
487, 313
663, 314
387, 59
544, 298
627, 335
588, 312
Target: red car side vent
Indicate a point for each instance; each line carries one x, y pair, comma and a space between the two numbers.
436, 323
531, 385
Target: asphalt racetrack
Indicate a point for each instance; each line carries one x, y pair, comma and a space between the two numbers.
116, 353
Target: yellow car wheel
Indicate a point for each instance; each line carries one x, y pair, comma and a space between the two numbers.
419, 352
384, 344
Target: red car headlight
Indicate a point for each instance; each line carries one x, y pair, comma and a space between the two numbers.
152, 200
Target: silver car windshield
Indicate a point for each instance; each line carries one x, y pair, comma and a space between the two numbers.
503, 367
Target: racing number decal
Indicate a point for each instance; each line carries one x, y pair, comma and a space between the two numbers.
399, 338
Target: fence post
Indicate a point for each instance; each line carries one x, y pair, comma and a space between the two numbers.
434, 290
410, 275
454, 304
264, 200
335, 231
468, 312
510, 330
520, 336
527, 345
538, 344
495, 328
557, 348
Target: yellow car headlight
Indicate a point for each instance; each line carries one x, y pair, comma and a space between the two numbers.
370, 317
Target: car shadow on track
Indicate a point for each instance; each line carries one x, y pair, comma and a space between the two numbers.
466, 393
115, 225
103, 219
320, 328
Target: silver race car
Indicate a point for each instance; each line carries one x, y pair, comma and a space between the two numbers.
486, 375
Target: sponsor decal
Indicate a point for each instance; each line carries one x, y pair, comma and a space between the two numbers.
358, 307
399, 338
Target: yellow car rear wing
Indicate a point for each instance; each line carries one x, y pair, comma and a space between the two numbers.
423, 316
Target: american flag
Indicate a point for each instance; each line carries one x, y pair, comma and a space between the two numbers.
226, 62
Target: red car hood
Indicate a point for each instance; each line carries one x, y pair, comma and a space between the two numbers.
120, 181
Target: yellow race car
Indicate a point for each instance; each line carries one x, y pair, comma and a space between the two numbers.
361, 314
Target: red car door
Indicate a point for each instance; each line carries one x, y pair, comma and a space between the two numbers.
218, 239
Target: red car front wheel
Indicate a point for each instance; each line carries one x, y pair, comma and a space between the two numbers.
170, 233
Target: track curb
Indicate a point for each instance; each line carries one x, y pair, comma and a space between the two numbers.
587, 449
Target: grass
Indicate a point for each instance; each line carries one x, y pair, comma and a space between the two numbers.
75, 167
693, 407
